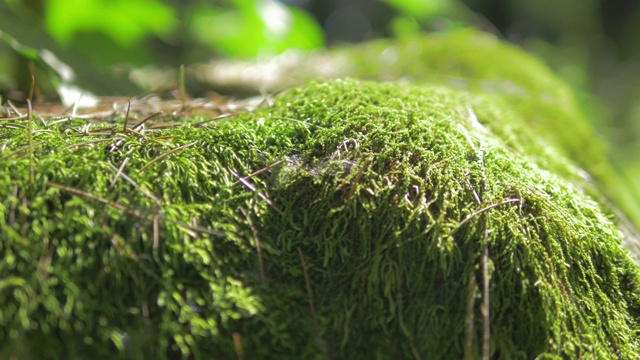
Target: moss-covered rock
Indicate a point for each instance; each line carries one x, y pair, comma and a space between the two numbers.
350, 220
466, 60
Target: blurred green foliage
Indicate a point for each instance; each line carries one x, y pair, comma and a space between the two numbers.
419, 8
64, 18
130, 33
253, 27
240, 28
416, 15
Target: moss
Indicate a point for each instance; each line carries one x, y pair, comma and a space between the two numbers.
466, 60
375, 215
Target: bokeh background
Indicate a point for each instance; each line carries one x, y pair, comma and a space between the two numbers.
592, 44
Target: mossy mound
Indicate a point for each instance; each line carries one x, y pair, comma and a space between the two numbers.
466, 60
351, 220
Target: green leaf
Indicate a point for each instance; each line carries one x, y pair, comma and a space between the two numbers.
264, 27
124, 22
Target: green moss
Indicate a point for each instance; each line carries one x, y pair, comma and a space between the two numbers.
466, 60
364, 237
384, 198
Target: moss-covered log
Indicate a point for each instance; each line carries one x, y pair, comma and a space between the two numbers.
350, 220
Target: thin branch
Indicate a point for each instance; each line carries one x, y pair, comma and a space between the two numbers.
182, 92
61, 120
468, 319
251, 187
7, 119
258, 172
237, 345
126, 117
476, 197
156, 231
133, 131
486, 301
156, 220
90, 196
312, 306
44, 124
30, 130
197, 229
256, 239
74, 110
15, 109
21, 150
299, 121
33, 84
147, 119
219, 117
90, 142
160, 157
471, 216
118, 172
135, 184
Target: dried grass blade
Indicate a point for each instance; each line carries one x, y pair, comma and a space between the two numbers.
468, 319
486, 301
90, 196
160, 157
30, 132
256, 239
312, 306
21, 150
471, 216
126, 117
118, 172
258, 172
90, 142
135, 185
251, 187
146, 119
